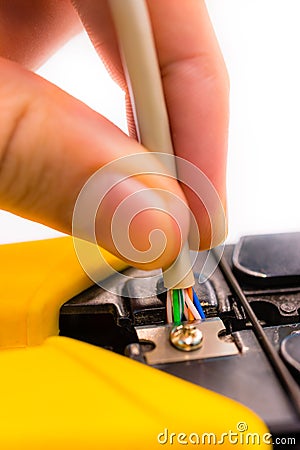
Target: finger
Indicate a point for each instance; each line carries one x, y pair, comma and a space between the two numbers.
97, 20
196, 88
30, 31
51, 144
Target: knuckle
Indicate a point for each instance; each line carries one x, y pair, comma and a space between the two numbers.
12, 118
18, 138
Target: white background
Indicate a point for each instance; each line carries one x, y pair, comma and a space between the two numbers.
260, 40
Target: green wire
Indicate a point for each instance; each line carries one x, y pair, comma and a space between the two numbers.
176, 308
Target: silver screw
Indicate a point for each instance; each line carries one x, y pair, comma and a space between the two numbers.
186, 337
288, 308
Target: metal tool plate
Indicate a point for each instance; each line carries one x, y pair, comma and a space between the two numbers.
164, 352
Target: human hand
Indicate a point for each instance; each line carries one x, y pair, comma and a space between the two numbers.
50, 143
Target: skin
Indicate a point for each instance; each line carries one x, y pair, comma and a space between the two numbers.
50, 143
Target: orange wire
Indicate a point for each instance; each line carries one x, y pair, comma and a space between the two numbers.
190, 294
190, 315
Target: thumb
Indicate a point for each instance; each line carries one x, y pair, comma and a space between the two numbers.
50, 146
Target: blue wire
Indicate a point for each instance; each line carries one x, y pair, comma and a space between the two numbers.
198, 305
